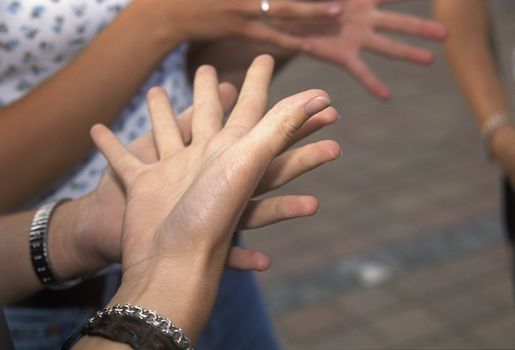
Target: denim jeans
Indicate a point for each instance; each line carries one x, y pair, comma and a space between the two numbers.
43, 329
239, 320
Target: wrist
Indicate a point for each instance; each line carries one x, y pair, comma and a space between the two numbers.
182, 290
501, 143
69, 259
160, 24
492, 126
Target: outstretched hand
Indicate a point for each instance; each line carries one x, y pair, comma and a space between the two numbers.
102, 210
358, 30
182, 210
216, 19
153, 190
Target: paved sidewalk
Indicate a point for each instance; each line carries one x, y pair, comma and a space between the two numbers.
407, 250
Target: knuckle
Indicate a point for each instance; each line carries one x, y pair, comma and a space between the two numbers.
288, 128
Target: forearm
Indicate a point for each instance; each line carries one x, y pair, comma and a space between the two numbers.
231, 57
47, 130
16, 269
469, 53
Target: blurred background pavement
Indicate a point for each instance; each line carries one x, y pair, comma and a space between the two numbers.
407, 250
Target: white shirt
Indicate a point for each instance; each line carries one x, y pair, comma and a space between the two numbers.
38, 37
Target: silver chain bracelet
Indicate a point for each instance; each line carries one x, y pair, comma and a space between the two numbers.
150, 317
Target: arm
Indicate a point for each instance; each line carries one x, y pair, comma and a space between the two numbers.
471, 58
99, 82
94, 87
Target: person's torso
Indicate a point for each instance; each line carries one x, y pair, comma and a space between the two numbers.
37, 38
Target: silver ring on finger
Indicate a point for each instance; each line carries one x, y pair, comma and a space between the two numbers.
265, 9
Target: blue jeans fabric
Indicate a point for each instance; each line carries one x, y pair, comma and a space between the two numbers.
43, 329
239, 320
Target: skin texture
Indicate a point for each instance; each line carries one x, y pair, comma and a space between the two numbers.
185, 242
85, 234
470, 56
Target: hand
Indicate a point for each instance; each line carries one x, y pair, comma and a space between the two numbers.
185, 163
97, 238
215, 19
174, 251
357, 31
182, 210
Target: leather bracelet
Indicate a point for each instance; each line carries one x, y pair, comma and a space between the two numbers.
38, 238
135, 326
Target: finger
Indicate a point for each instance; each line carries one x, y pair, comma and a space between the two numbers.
167, 136
411, 25
296, 162
359, 69
281, 123
143, 149
252, 101
271, 210
262, 32
124, 164
228, 95
207, 109
396, 49
318, 121
298, 10
247, 259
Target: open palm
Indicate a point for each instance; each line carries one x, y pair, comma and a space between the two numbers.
358, 30
154, 190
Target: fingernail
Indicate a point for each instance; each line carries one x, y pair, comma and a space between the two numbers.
317, 104
334, 9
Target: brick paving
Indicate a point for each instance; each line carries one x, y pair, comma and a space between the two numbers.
407, 250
